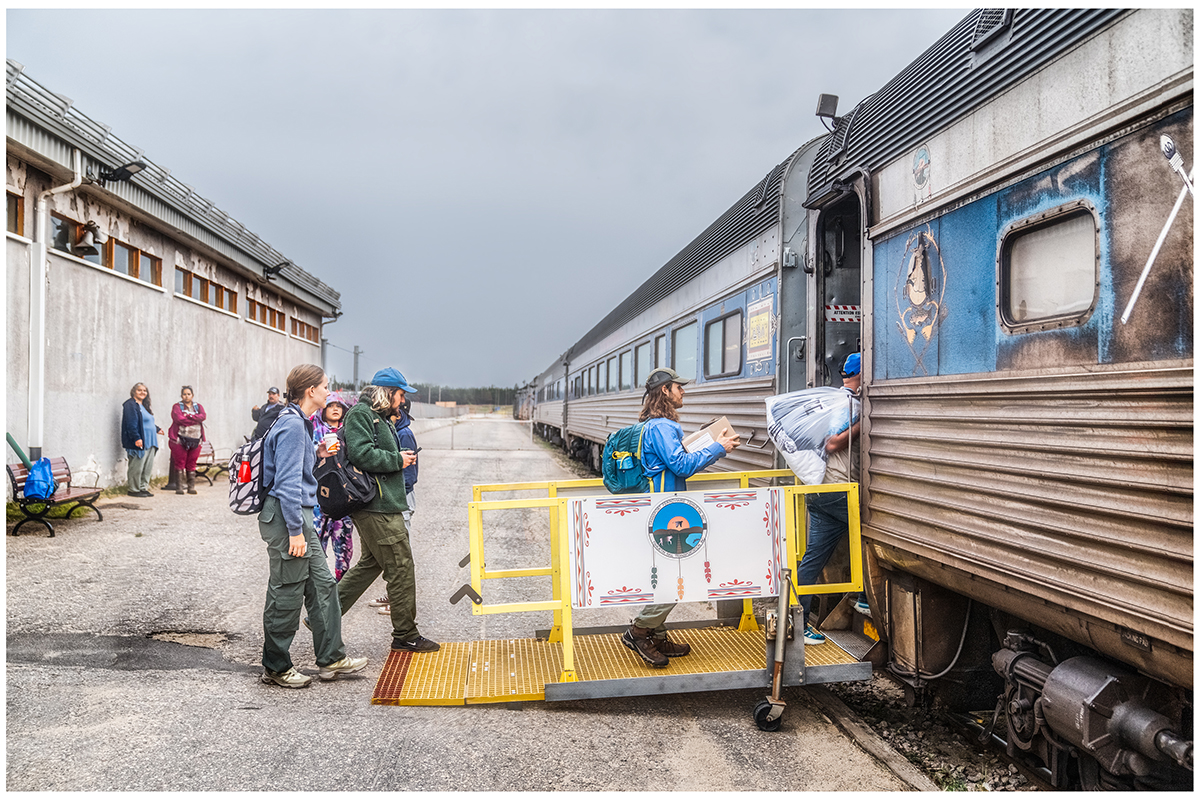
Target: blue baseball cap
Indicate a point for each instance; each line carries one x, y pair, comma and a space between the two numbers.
852, 366
391, 377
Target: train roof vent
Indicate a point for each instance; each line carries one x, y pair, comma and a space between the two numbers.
991, 23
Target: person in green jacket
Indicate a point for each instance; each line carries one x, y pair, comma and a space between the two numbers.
371, 446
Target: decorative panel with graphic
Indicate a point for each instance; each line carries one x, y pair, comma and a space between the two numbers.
676, 547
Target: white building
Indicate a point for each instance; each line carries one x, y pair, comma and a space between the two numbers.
176, 292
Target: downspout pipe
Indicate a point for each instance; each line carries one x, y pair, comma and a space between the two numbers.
37, 313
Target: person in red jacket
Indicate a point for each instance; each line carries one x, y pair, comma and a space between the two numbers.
185, 435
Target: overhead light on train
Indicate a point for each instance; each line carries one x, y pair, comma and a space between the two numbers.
827, 110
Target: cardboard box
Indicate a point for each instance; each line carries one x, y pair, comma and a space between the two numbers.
706, 435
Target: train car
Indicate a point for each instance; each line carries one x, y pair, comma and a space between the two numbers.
713, 314
978, 229
1027, 490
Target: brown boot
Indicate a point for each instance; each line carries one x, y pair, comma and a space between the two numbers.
672, 649
177, 479
638, 640
191, 482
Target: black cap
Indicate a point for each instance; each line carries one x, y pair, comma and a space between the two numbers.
273, 390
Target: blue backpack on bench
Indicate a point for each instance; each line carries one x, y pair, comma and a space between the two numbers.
40, 485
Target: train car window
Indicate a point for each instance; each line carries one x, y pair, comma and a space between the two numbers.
683, 351
723, 346
641, 364
1049, 269
626, 376
602, 380
612, 374
660, 350
591, 373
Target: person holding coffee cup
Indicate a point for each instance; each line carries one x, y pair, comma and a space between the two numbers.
326, 423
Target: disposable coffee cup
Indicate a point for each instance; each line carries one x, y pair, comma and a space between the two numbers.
331, 442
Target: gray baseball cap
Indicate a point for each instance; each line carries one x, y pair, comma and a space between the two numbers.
662, 376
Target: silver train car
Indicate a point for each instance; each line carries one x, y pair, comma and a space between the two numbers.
981, 229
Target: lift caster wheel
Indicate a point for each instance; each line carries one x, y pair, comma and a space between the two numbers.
762, 713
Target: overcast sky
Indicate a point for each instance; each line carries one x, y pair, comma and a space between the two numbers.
482, 187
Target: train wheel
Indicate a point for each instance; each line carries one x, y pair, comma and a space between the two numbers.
762, 713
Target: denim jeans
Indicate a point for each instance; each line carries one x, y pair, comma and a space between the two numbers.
828, 522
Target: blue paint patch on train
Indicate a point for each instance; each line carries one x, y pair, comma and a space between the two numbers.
755, 315
939, 285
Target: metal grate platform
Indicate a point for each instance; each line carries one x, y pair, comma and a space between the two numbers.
508, 670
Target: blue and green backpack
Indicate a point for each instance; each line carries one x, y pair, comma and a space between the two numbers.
622, 467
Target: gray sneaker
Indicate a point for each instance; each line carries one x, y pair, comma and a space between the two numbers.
343, 667
289, 680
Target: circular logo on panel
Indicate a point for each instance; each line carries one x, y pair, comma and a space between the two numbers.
678, 528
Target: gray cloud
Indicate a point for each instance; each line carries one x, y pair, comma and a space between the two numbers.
481, 186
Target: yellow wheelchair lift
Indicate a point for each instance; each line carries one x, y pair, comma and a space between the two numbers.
564, 663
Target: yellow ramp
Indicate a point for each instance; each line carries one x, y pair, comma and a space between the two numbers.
509, 670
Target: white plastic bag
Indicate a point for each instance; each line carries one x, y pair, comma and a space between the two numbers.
800, 423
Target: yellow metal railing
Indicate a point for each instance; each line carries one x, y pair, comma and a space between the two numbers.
560, 602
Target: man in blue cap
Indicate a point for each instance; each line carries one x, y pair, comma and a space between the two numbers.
371, 446
828, 518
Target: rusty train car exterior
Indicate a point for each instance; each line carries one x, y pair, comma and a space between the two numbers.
977, 228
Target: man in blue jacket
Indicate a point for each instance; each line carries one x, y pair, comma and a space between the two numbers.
668, 466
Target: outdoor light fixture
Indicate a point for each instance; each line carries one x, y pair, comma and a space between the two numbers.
827, 109
123, 172
271, 272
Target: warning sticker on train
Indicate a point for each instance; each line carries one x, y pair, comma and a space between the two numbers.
843, 313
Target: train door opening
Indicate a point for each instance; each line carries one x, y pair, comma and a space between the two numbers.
839, 288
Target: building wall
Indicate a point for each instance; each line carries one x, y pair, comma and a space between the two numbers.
105, 332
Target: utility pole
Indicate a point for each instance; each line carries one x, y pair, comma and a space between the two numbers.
356, 354
324, 355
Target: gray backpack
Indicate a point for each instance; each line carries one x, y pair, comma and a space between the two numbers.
246, 491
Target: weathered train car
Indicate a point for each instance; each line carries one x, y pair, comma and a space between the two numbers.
1027, 455
712, 313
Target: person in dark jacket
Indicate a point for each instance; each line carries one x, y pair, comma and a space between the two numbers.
139, 437
371, 446
405, 440
299, 573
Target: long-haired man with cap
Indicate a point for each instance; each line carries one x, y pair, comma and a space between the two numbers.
371, 446
668, 466
828, 518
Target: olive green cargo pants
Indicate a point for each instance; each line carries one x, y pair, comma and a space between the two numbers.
294, 582
386, 550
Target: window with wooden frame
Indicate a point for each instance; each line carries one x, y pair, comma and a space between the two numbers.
303, 330
723, 346
16, 214
130, 261
264, 314
205, 291
65, 235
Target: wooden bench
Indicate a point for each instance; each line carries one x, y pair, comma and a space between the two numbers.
35, 510
208, 466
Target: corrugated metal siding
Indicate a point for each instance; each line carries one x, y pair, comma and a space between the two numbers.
39, 120
945, 84
743, 402
1075, 490
549, 413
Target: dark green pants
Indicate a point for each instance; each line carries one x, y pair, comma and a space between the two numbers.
386, 550
295, 582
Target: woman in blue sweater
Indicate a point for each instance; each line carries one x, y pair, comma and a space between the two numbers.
299, 572
139, 437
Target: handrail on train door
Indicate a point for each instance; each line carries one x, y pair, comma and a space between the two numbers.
560, 602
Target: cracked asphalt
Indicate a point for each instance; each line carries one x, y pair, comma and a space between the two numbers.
132, 650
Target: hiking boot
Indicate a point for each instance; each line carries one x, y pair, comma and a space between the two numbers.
638, 640
343, 667
288, 680
813, 636
383, 601
418, 644
672, 649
